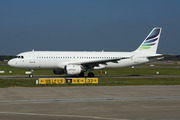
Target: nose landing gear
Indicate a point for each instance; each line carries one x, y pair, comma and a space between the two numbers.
31, 74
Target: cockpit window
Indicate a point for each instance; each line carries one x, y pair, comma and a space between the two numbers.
22, 57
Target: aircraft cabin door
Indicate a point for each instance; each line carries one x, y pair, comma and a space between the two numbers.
32, 57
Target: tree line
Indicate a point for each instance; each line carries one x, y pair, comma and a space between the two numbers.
6, 57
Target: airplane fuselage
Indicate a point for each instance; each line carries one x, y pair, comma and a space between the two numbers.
58, 60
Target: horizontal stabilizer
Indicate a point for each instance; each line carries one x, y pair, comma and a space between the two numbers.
158, 57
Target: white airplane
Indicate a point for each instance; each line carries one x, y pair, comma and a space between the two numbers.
73, 63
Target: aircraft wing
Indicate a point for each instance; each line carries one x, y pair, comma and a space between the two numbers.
97, 62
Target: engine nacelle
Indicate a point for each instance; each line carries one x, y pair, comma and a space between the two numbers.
73, 69
59, 71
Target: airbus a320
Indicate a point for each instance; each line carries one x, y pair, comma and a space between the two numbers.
76, 63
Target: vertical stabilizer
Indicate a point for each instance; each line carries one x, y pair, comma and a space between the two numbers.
150, 44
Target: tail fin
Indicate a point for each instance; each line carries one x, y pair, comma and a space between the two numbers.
150, 44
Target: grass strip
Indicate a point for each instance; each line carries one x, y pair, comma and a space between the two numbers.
102, 82
122, 71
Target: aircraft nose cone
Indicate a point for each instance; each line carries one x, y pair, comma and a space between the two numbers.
11, 63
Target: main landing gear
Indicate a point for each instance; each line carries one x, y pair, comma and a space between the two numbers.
90, 74
81, 74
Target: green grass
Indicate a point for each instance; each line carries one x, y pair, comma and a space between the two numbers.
16, 71
122, 71
2, 62
145, 71
140, 81
102, 82
168, 64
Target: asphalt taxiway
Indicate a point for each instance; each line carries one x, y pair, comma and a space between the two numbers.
91, 103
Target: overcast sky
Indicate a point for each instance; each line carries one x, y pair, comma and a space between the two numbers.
87, 25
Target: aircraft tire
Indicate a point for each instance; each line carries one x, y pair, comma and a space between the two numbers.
31, 75
81, 74
90, 74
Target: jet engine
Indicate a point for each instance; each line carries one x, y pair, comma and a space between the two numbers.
73, 69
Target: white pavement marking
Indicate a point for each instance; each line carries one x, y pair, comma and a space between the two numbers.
93, 117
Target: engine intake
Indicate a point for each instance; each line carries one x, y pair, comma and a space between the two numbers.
73, 69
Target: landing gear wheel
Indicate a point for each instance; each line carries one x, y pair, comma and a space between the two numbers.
81, 74
90, 74
31, 75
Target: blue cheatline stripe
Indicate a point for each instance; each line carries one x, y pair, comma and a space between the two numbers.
148, 44
154, 34
150, 41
